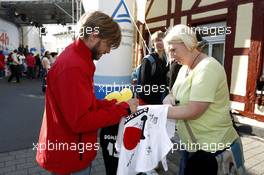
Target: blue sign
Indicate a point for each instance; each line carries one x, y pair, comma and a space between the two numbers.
119, 16
42, 49
33, 49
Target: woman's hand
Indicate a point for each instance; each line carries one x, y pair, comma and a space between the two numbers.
191, 111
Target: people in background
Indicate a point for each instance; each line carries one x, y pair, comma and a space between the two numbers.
38, 66
20, 48
2, 65
22, 64
26, 50
153, 73
46, 65
53, 57
31, 62
14, 66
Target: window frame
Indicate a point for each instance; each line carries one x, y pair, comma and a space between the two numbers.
218, 39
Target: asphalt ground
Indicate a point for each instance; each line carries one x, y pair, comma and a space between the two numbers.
21, 110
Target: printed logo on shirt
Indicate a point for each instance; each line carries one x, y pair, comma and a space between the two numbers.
133, 134
138, 113
142, 140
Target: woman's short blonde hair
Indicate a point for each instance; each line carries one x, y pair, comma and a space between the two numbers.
182, 34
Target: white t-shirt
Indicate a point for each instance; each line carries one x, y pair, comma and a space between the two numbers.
47, 61
143, 140
21, 59
15, 60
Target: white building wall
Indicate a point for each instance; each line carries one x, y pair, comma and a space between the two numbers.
158, 8
239, 75
31, 37
209, 2
9, 34
244, 25
187, 5
209, 13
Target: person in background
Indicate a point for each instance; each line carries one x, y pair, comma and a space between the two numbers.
38, 66
202, 108
53, 57
20, 48
9, 61
153, 74
72, 114
26, 50
22, 64
31, 62
46, 65
2, 65
14, 66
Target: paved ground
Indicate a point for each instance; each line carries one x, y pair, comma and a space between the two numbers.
22, 162
21, 108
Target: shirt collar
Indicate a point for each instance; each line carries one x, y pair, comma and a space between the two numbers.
83, 50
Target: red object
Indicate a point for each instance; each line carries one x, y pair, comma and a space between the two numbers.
31, 61
132, 137
72, 114
2, 61
141, 102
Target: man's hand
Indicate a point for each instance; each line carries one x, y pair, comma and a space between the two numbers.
133, 104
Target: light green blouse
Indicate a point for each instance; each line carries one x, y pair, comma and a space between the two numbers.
205, 83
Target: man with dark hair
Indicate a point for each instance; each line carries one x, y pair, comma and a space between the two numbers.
68, 137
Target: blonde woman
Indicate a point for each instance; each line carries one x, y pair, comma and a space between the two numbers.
202, 109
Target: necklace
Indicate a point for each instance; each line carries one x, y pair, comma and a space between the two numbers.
189, 69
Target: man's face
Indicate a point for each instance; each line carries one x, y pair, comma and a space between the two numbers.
100, 48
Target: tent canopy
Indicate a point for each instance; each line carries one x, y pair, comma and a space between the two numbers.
39, 12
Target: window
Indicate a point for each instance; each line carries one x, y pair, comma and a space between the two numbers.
215, 34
